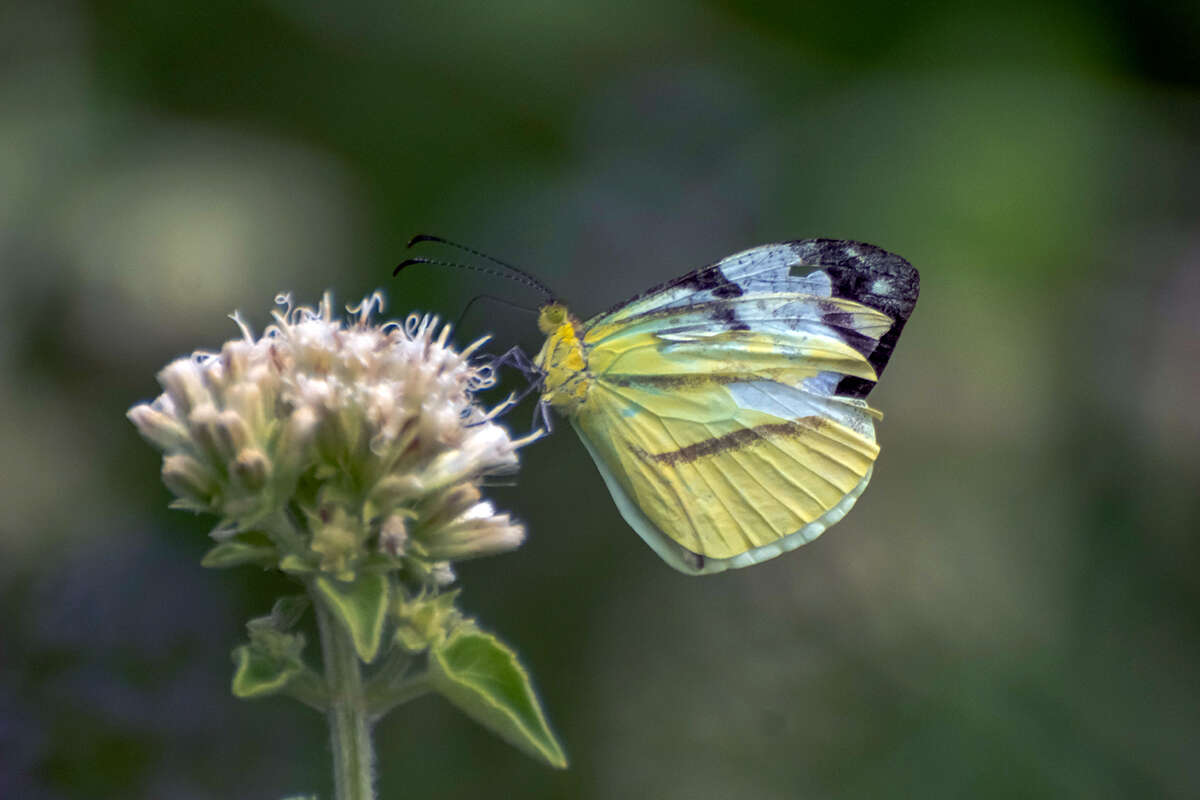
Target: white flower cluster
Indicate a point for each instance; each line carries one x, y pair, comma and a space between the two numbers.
338, 440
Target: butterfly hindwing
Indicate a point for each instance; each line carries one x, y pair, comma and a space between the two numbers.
730, 443
728, 474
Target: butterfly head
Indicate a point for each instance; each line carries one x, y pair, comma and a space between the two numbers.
563, 358
552, 316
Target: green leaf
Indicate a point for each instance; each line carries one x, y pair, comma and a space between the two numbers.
288, 610
258, 674
273, 659
380, 562
295, 565
362, 607
234, 553
189, 505
482, 676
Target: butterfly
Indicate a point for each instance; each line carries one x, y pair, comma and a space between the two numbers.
726, 409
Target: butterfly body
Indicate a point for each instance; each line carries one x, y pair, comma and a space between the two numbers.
725, 409
562, 361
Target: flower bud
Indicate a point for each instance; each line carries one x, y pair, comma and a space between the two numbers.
187, 478
235, 358
202, 426
162, 430
252, 468
393, 534
479, 532
231, 433
395, 489
184, 383
292, 451
442, 573
448, 505
246, 399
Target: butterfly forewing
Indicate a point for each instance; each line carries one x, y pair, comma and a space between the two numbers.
856, 293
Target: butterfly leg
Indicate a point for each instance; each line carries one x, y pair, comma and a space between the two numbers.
518, 360
521, 362
542, 410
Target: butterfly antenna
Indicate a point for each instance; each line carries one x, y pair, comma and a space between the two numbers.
494, 299
408, 262
519, 275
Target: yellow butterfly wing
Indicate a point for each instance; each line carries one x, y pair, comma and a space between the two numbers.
725, 409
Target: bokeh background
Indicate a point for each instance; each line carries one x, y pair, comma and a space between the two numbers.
1011, 611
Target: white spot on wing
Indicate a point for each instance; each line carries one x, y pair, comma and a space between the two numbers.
786, 402
768, 269
824, 383
768, 397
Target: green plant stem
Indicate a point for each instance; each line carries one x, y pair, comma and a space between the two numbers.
349, 730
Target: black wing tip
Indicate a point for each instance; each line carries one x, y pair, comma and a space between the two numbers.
867, 274
860, 255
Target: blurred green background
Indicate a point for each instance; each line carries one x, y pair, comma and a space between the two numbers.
1011, 611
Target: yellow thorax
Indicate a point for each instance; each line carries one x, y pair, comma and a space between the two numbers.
563, 359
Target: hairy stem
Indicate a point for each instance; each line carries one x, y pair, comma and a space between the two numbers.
349, 730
